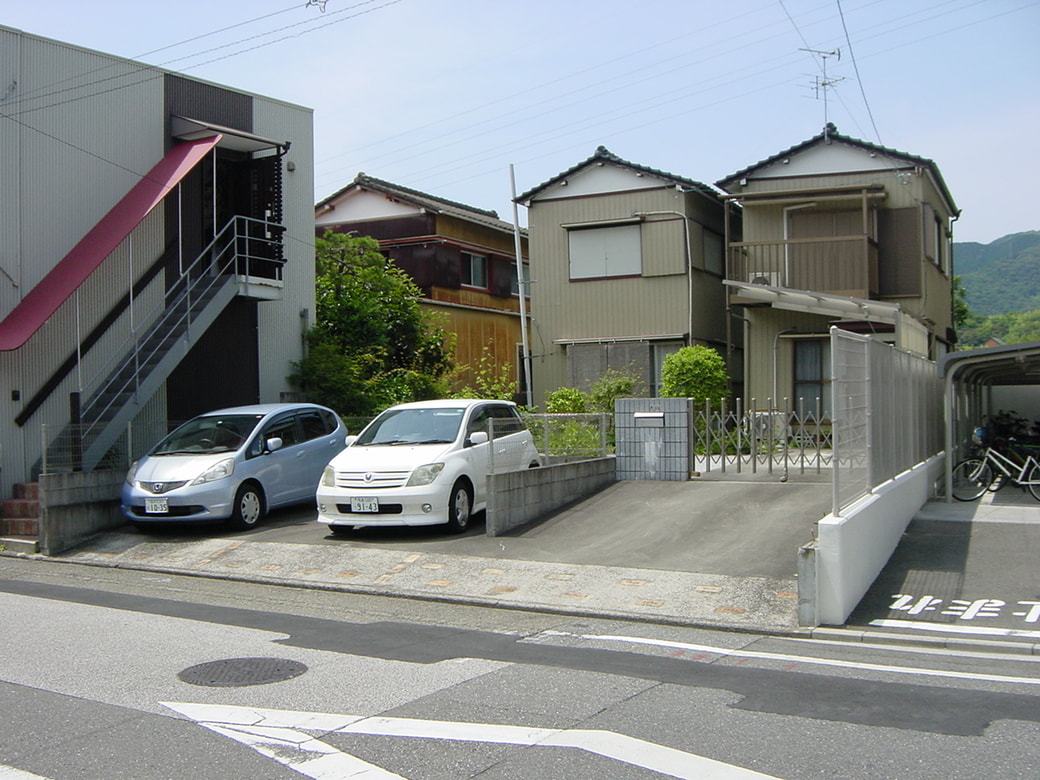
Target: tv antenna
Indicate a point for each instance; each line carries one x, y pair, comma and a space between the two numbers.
822, 84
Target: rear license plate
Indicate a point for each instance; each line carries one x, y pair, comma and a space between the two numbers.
156, 506
364, 505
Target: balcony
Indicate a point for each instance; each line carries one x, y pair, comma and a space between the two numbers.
845, 265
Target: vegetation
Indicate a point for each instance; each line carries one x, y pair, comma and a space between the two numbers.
488, 380
997, 294
371, 346
696, 372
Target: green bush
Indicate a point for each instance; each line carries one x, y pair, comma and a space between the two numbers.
696, 372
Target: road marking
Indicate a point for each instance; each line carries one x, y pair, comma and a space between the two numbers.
920, 625
10, 773
801, 659
282, 735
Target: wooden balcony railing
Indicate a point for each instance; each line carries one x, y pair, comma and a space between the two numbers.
846, 265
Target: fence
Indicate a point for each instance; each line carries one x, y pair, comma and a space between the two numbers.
770, 437
888, 413
560, 437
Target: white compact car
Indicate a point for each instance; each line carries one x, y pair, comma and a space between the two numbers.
423, 463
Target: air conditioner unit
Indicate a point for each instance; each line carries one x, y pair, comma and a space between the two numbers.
770, 278
765, 425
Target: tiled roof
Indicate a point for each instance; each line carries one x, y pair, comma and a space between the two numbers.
423, 200
604, 155
830, 133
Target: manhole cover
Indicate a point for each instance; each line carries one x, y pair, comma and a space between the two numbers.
240, 672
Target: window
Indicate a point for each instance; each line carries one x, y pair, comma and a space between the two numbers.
597, 253
812, 378
474, 270
506, 420
660, 353
514, 282
714, 256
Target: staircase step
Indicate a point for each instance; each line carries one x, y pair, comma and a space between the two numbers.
13, 508
27, 545
20, 526
27, 490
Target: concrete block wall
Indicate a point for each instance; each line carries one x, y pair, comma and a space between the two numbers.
517, 498
652, 438
77, 506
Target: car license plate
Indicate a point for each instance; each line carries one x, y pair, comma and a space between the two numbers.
156, 506
364, 505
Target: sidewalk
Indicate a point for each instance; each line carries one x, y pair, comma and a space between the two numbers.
680, 598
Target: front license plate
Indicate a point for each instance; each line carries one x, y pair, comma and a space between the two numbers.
364, 505
156, 506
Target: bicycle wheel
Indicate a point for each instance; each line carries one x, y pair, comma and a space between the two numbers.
1033, 481
971, 478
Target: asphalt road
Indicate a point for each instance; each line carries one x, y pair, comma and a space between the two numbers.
96, 677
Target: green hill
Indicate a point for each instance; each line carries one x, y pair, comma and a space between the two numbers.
1002, 276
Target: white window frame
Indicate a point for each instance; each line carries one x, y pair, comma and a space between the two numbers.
605, 251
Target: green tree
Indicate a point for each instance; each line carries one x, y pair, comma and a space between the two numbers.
371, 345
696, 372
488, 379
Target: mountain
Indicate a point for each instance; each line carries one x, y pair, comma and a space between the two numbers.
1002, 276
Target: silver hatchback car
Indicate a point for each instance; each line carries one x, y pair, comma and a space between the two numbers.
234, 464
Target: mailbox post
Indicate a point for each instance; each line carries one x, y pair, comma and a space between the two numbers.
653, 438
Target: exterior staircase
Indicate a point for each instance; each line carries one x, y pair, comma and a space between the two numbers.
20, 519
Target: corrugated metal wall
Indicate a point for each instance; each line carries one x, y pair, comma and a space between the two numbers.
89, 126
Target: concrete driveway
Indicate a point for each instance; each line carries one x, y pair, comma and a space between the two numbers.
746, 528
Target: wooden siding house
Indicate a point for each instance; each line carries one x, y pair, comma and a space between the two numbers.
627, 265
836, 231
462, 258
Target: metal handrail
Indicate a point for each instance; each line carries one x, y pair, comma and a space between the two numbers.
227, 254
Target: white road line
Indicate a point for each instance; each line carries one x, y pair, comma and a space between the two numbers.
10, 773
799, 658
920, 625
287, 743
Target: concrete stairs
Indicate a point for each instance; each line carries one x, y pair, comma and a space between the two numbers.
20, 519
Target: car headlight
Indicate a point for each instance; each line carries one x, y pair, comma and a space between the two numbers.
132, 472
424, 475
328, 477
220, 470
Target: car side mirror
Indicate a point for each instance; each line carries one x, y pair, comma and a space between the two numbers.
351, 439
478, 437
274, 443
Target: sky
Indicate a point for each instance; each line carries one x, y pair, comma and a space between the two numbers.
446, 96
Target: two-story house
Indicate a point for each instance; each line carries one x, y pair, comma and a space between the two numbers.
155, 232
835, 231
627, 264
462, 258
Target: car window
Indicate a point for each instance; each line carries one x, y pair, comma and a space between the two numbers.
413, 426
507, 420
313, 424
205, 435
283, 428
478, 422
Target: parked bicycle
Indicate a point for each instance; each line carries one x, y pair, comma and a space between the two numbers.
995, 466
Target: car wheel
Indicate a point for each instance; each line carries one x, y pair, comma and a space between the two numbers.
460, 507
248, 508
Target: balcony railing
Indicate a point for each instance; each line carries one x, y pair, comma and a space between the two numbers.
846, 265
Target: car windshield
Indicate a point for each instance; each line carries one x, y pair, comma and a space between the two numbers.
413, 426
205, 435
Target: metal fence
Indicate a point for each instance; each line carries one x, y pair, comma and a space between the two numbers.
888, 413
761, 437
63, 446
560, 437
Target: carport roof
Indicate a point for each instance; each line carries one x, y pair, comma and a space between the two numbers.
1006, 364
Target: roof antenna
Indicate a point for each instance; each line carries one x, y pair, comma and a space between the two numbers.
821, 85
